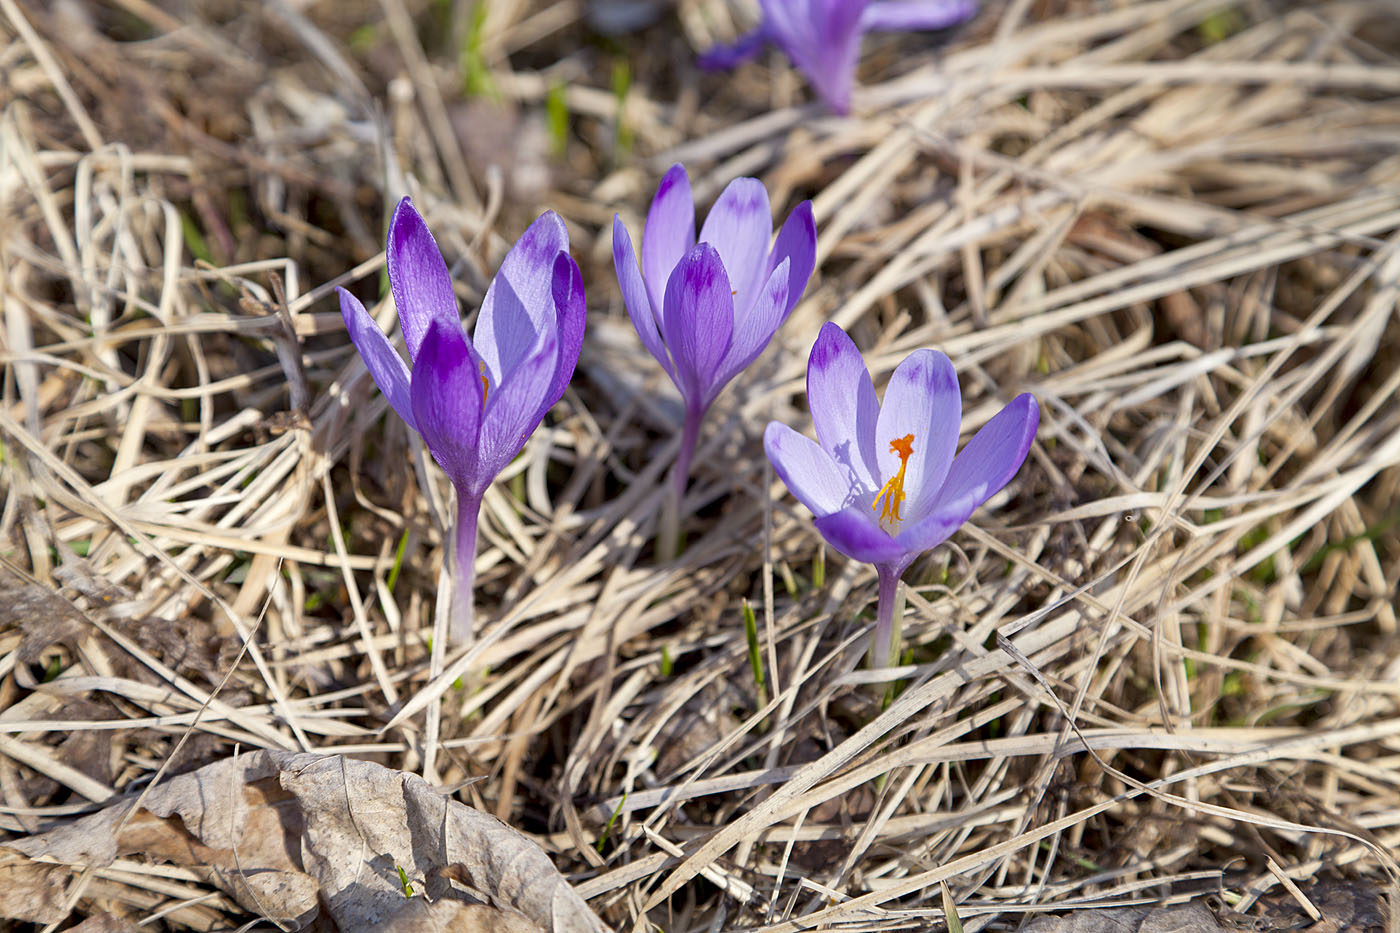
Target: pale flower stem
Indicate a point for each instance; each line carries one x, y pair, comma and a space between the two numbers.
464, 567
884, 647
668, 534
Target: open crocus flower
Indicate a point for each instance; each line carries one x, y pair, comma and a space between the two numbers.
822, 37
707, 309
474, 401
882, 480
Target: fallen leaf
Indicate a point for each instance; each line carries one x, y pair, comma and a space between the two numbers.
296, 837
30, 890
1188, 918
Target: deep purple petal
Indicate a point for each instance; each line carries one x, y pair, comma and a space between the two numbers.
418, 278
668, 235
699, 320
446, 395
573, 314
797, 243
514, 409
383, 362
983, 467
922, 399
728, 56
855, 533
739, 226
636, 297
904, 15
755, 326
843, 405
520, 300
814, 479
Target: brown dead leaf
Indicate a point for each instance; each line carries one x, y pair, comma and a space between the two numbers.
31, 890
1351, 906
1188, 918
421, 916
286, 834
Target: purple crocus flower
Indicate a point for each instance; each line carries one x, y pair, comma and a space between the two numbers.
882, 480
707, 309
474, 401
822, 37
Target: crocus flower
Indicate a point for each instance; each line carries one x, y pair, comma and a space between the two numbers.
882, 480
822, 37
707, 309
474, 401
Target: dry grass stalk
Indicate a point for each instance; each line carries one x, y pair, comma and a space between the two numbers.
1167, 662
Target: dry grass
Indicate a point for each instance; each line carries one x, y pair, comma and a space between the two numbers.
1164, 662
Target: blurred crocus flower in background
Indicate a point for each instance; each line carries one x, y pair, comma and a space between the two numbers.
707, 309
822, 37
882, 479
474, 401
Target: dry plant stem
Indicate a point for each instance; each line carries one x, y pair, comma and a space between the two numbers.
668, 536
464, 567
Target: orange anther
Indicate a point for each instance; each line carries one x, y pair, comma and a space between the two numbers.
892, 493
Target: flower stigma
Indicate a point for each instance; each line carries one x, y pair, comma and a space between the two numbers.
892, 493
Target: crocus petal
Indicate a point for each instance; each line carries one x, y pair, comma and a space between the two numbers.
739, 226
822, 37
922, 399
729, 56
446, 397
636, 297
668, 235
856, 534
381, 359
520, 300
814, 478
983, 467
916, 14
573, 313
514, 409
699, 320
754, 327
797, 243
418, 278
843, 405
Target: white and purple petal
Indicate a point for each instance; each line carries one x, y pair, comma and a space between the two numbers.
418, 278
699, 320
855, 533
979, 472
637, 298
385, 365
906, 15
519, 303
729, 56
739, 227
814, 478
446, 396
754, 327
573, 315
515, 407
822, 37
796, 243
844, 408
669, 234
921, 399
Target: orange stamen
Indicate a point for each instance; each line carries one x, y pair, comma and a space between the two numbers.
892, 493
485, 385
